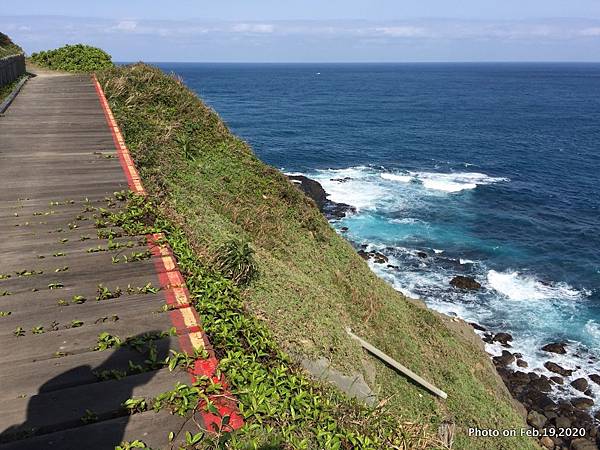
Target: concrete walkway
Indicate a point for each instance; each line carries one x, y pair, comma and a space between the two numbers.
58, 388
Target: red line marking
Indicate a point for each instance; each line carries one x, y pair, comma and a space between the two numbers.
183, 316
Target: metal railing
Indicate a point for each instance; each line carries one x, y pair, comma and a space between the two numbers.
11, 68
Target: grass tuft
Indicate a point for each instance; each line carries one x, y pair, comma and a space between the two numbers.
235, 260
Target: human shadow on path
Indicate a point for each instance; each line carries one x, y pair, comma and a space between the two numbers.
84, 395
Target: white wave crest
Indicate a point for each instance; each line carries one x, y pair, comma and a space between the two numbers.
396, 177
455, 182
593, 329
355, 186
521, 287
373, 187
408, 221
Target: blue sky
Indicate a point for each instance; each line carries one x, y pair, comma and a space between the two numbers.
314, 30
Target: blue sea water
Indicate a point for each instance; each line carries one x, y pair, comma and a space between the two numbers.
493, 170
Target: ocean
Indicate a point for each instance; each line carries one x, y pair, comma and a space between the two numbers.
492, 170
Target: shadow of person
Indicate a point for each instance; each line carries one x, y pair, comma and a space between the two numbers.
91, 397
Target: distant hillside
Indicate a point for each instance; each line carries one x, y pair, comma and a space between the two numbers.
8, 47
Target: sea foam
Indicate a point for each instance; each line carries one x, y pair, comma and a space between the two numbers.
516, 286
455, 182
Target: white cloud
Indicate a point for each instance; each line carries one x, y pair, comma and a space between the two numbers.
591, 32
403, 31
126, 25
253, 28
347, 40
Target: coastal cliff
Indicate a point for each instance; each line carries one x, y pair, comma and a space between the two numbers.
310, 284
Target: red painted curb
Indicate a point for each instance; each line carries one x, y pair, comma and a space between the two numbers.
183, 315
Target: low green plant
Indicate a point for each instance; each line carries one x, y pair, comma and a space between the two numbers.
135, 405
76, 324
105, 293
107, 341
79, 299
19, 331
89, 417
130, 445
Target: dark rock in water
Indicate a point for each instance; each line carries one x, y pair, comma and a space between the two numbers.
311, 188
476, 326
582, 402
503, 338
533, 375
536, 420
558, 380
505, 359
364, 255
581, 384
422, 254
340, 180
463, 282
541, 384
487, 337
563, 422
582, 444
553, 367
595, 378
314, 190
518, 377
589, 393
343, 229
336, 211
522, 363
518, 355
391, 266
555, 347
379, 258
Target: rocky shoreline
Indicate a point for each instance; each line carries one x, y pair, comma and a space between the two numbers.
562, 424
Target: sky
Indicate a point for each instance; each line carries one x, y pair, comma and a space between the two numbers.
313, 30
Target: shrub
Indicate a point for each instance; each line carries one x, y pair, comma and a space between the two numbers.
74, 58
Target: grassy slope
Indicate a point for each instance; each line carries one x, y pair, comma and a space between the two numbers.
312, 284
7, 47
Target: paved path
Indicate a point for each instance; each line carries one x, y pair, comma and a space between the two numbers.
57, 163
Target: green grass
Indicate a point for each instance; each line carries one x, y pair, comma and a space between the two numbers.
8, 47
309, 283
6, 90
73, 58
278, 401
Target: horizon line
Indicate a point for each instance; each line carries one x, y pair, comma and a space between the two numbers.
365, 62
